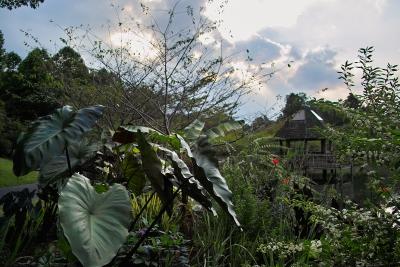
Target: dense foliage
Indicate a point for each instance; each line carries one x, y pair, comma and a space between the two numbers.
38, 84
191, 187
97, 224
10, 4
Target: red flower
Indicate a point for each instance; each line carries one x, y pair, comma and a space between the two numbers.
275, 161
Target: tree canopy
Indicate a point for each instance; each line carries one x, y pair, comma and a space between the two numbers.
12, 4
294, 102
38, 84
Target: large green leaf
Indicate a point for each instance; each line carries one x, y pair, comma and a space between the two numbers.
192, 131
96, 225
185, 146
195, 130
222, 129
206, 171
191, 186
134, 173
128, 134
153, 168
46, 138
205, 165
57, 166
151, 163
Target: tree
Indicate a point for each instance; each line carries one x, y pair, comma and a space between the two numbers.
9, 77
352, 101
331, 114
70, 70
8, 61
107, 89
81, 86
260, 122
11, 4
3, 115
11, 61
71, 64
33, 91
180, 78
2, 51
294, 102
372, 136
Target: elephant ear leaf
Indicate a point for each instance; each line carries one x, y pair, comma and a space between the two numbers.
222, 129
206, 171
95, 225
128, 134
192, 187
57, 166
134, 173
192, 131
153, 168
47, 137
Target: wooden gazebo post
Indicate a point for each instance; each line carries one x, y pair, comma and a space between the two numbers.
323, 152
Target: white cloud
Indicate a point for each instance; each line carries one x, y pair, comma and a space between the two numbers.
242, 19
207, 39
318, 35
138, 45
379, 4
333, 94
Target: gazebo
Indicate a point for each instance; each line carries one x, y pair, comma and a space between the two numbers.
303, 127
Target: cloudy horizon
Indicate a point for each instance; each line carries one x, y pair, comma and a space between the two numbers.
315, 36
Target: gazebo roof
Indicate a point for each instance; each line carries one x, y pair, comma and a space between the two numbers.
301, 126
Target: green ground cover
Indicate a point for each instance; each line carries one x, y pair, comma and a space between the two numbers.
7, 177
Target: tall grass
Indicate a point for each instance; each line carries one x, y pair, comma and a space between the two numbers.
167, 222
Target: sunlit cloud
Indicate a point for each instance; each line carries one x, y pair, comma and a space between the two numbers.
206, 39
138, 45
333, 94
242, 19
314, 36
128, 8
379, 4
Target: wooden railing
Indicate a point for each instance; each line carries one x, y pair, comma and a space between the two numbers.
316, 161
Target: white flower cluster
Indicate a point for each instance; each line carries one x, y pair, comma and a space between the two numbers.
290, 248
283, 249
316, 246
360, 216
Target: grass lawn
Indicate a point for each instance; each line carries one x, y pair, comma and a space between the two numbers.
7, 177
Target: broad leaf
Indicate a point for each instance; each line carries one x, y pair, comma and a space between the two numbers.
96, 225
186, 178
152, 165
57, 167
127, 134
209, 176
192, 131
47, 137
134, 173
185, 146
153, 168
206, 172
222, 129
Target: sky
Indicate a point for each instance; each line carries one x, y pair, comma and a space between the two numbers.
315, 36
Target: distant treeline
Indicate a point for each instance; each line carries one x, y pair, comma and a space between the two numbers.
34, 86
